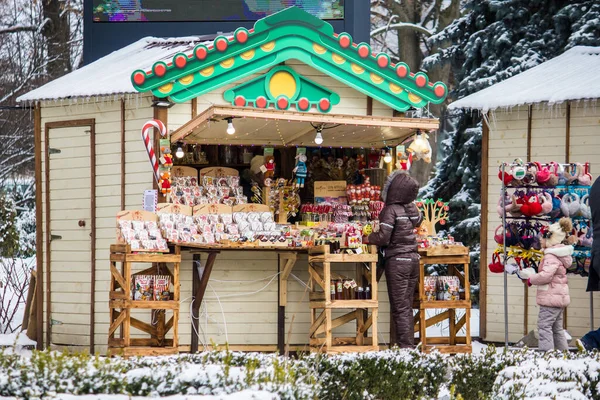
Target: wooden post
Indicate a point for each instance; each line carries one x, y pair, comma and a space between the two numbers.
483, 233
39, 230
201, 282
280, 311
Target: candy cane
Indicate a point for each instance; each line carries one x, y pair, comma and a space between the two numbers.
154, 123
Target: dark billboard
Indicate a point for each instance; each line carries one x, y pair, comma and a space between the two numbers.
207, 10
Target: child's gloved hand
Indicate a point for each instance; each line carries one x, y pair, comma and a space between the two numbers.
511, 268
526, 273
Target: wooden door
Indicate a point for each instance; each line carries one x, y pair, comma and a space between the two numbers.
70, 225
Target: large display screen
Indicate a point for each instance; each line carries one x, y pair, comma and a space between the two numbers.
207, 10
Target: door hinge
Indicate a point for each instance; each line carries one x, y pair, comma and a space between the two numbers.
53, 151
55, 237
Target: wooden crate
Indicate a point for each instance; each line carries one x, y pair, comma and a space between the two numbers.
454, 256
121, 304
363, 312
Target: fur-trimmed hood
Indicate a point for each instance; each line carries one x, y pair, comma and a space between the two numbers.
399, 188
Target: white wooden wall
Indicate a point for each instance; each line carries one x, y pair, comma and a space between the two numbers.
507, 141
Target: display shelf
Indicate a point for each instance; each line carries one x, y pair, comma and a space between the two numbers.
121, 304
364, 312
453, 255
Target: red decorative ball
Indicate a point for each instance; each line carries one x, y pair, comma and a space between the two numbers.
160, 69
201, 53
139, 78
439, 90
221, 44
240, 101
446, 208
439, 203
345, 41
364, 51
419, 204
242, 36
180, 61
382, 61
303, 104
261, 102
324, 104
402, 71
443, 222
420, 80
282, 103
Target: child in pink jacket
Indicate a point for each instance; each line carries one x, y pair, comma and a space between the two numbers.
552, 287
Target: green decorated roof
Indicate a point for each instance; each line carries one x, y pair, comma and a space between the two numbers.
288, 34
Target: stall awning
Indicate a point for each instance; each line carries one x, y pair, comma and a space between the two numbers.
289, 128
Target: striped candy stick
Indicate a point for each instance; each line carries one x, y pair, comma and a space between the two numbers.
147, 139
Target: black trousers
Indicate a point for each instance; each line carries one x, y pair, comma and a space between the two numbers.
402, 275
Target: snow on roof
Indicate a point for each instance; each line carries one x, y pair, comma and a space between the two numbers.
111, 74
574, 75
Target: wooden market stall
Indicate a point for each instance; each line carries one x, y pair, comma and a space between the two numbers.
280, 84
546, 115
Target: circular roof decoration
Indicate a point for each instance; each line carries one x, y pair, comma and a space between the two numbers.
139, 77
240, 101
283, 102
364, 50
357, 69
324, 105
383, 60
200, 52
248, 55
282, 83
303, 104
180, 60
221, 43
421, 79
402, 70
207, 71
166, 89
186, 80
439, 89
241, 35
345, 40
267, 47
261, 102
159, 69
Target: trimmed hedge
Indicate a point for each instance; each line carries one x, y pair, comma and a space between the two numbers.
391, 374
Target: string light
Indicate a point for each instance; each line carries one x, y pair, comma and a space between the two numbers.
319, 137
230, 127
179, 153
388, 157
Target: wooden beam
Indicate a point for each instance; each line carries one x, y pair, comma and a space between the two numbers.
225, 111
339, 321
117, 275
118, 321
568, 135
39, 245
290, 261
483, 233
529, 120
318, 322
123, 154
142, 326
194, 103
369, 105
92, 235
48, 251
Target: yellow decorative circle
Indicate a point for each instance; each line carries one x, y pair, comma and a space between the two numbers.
268, 46
414, 98
376, 79
282, 83
166, 88
227, 63
207, 71
338, 59
395, 88
248, 55
319, 49
186, 80
357, 69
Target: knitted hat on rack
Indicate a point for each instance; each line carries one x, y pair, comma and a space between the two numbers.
559, 231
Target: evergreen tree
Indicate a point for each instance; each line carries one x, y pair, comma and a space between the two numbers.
9, 236
491, 42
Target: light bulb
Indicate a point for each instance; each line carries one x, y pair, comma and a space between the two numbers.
179, 153
230, 127
318, 138
388, 157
